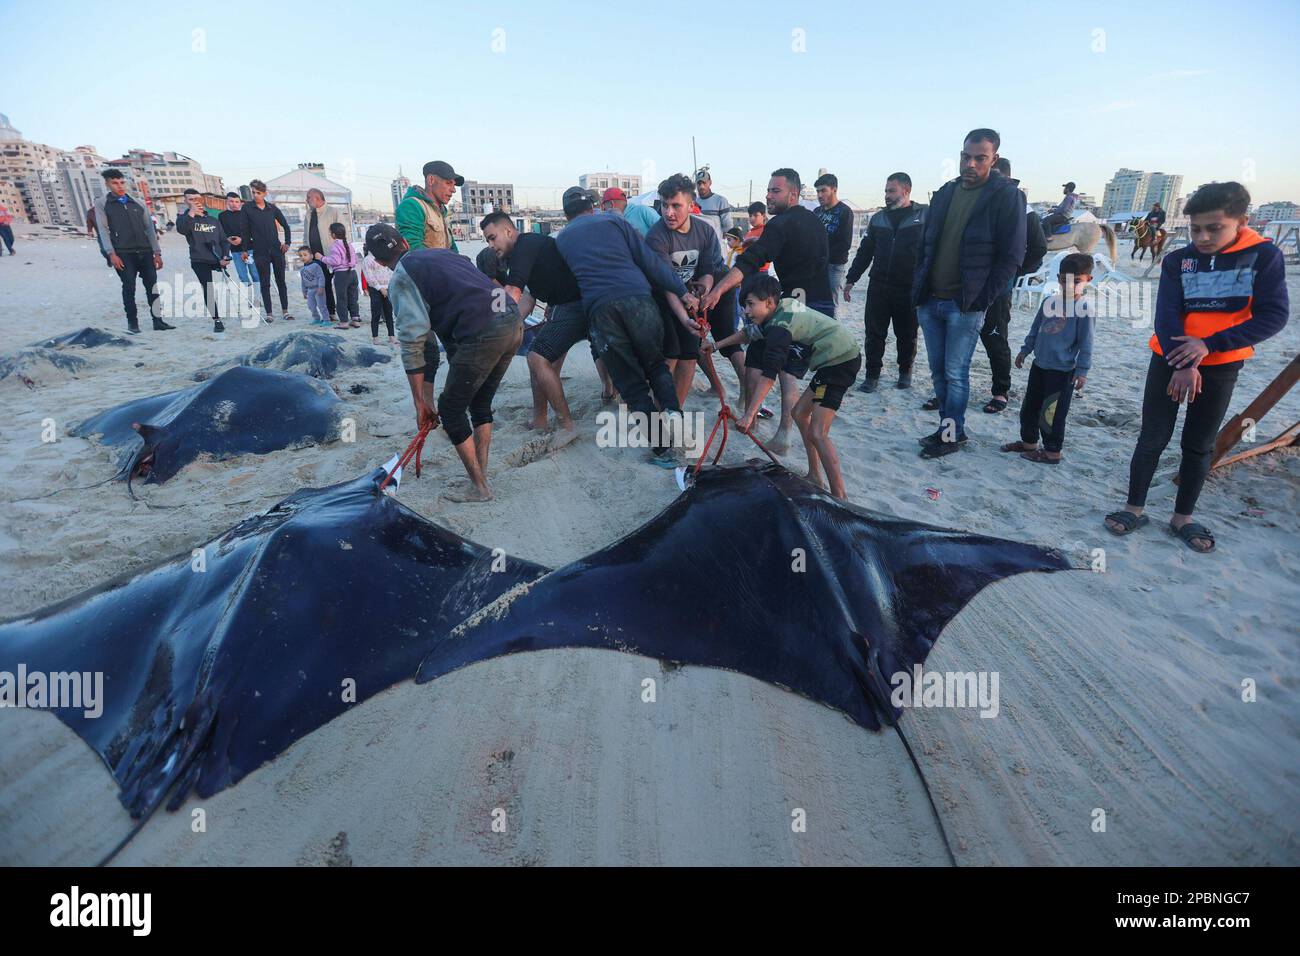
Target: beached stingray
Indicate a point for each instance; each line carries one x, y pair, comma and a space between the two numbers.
242, 411
755, 570
35, 367
87, 338
209, 673
318, 354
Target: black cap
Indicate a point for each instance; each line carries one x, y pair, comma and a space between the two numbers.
443, 171
576, 199
382, 241
1069, 186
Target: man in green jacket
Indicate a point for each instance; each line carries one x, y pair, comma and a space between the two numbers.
422, 215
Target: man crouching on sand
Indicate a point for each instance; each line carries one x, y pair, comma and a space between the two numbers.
440, 292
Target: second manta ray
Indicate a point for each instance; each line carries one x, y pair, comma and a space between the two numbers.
755, 570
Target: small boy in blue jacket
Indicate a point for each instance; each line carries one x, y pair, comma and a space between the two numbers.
1061, 342
313, 286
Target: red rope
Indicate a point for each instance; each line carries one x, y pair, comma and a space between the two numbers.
724, 413
413, 450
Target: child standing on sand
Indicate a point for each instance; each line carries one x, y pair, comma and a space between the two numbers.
1218, 298
776, 326
342, 262
378, 276
1061, 342
312, 277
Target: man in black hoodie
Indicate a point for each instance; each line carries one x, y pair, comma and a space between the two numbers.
889, 248
209, 250
974, 242
260, 218
837, 217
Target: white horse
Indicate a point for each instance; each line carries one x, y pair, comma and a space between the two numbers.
1084, 235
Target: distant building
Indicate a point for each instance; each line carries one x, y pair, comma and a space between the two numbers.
1137, 189
21, 163
602, 181
1126, 191
399, 187
475, 198
1164, 189
165, 176
12, 200
1278, 212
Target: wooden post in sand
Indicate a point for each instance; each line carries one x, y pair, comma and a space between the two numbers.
1272, 394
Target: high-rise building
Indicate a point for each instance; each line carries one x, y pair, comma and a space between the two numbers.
1278, 212
399, 187
1164, 189
12, 200
475, 198
21, 163
1134, 190
602, 181
1126, 192
167, 175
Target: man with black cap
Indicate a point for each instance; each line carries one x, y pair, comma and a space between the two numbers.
422, 216
616, 273
439, 292
1061, 212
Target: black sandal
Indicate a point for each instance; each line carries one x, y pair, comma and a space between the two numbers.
996, 405
1039, 456
1129, 520
1193, 530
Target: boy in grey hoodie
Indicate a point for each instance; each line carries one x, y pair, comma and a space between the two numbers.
1061, 342
313, 281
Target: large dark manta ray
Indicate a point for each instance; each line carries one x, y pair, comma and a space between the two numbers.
243, 410
85, 338
755, 570
208, 674
318, 354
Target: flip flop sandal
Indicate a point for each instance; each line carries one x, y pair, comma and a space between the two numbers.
1129, 520
764, 412
1192, 530
1038, 456
995, 405
931, 406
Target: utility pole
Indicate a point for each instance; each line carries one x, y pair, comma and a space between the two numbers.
695, 163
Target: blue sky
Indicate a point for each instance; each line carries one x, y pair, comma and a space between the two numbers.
536, 93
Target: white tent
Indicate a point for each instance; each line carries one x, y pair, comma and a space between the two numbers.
289, 192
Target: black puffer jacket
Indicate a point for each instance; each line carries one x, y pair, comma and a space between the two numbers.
992, 244
890, 252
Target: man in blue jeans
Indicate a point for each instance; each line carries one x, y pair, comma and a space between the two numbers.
232, 223
974, 241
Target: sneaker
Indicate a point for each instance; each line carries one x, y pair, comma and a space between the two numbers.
904, 379
869, 385
942, 448
160, 326
936, 438
218, 327
932, 405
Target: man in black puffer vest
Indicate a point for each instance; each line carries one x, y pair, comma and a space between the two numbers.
974, 242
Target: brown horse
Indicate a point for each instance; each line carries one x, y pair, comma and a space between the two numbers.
1144, 238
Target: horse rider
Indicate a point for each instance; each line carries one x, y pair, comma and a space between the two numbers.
1062, 211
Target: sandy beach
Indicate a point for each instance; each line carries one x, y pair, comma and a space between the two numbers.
1121, 690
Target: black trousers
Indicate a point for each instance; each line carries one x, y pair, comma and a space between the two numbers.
886, 305
1045, 406
628, 334
137, 264
1200, 428
380, 308
331, 300
265, 260
205, 273
994, 336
